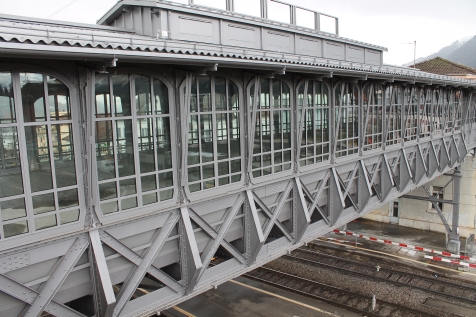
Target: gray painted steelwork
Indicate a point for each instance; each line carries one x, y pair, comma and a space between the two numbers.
185, 150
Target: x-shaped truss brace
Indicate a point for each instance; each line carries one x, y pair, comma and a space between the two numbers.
145, 263
272, 215
217, 238
42, 300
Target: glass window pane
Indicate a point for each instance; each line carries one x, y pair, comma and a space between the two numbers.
194, 174
125, 148
128, 203
250, 7
206, 126
33, 97
279, 12
149, 199
13, 209
165, 180
195, 187
223, 168
127, 186
164, 153
146, 145
204, 91
223, 181
236, 166
109, 207
142, 97
16, 228
233, 96
167, 194
305, 18
11, 182
105, 150
235, 146
222, 135
219, 4
69, 216
220, 94
107, 190
38, 153
161, 94
7, 104
68, 198
193, 141
148, 183
62, 138
45, 222
122, 95
193, 96
43, 203
103, 98
208, 171
58, 99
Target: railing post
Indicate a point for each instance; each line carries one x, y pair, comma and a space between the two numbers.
317, 21
264, 9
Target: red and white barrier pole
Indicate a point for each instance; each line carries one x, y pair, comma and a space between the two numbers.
408, 246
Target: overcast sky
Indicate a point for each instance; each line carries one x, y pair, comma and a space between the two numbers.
432, 23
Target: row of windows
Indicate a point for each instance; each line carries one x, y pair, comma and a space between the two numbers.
135, 141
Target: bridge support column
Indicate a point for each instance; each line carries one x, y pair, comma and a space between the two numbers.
453, 241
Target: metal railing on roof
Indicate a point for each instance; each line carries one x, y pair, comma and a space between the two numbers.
274, 10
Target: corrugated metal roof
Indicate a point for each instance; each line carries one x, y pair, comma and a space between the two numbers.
51, 38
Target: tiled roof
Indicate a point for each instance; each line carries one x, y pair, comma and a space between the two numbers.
443, 66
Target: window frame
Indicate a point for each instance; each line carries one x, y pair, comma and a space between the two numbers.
334, 117
134, 117
76, 114
391, 107
425, 111
366, 148
184, 130
298, 147
292, 109
410, 114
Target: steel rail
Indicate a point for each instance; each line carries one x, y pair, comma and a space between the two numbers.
388, 260
395, 308
395, 282
469, 288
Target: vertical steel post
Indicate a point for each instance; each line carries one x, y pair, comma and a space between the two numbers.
454, 243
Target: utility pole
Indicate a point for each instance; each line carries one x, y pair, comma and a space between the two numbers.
414, 52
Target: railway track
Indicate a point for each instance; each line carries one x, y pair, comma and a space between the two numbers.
336, 296
425, 284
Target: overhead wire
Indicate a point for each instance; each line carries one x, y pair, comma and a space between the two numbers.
61, 9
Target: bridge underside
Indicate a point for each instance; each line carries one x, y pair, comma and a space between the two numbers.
126, 170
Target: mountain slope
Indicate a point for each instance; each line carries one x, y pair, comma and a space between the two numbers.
466, 54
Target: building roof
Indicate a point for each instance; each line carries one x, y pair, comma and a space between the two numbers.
441, 66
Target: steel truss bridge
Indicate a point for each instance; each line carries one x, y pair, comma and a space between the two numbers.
137, 150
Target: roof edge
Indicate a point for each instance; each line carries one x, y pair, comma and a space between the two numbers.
30, 20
